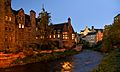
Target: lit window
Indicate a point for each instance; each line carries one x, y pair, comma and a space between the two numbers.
22, 26
58, 35
41, 37
54, 36
73, 36
10, 18
36, 37
64, 32
65, 35
6, 18
36, 29
50, 36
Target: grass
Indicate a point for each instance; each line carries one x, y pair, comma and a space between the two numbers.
110, 63
45, 57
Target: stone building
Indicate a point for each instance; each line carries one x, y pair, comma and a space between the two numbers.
92, 35
18, 29
64, 33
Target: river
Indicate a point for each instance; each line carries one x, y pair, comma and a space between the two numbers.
85, 61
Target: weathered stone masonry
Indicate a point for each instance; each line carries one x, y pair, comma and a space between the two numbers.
18, 29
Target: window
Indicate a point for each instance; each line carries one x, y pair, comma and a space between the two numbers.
50, 36
6, 18
65, 35
36, 29
22, 26
58, 35
36, 37
41, 37
54, 36
10, 18
73, 36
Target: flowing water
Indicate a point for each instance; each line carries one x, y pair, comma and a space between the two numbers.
85, 61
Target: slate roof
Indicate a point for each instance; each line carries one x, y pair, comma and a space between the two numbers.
15, 12
92, 33
99, 30
60, 27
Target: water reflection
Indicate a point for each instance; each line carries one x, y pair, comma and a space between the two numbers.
66, 67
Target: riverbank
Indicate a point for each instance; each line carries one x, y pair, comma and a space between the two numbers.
44, 57
84, 61
110, 63
35, 56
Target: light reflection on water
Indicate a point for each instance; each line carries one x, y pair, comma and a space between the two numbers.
66, 67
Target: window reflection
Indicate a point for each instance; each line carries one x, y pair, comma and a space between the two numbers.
66, 67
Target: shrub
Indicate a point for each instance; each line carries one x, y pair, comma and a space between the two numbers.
110, 63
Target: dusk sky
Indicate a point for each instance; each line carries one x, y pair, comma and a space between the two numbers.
82, 12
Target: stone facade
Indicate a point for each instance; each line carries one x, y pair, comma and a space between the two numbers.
63, 32
18, 29
92, 35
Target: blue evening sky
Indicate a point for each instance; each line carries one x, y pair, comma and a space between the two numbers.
82, 12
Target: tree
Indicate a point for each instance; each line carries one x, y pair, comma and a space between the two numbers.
115, 34
111, 37
45, 29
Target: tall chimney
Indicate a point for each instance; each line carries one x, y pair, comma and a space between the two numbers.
92, 28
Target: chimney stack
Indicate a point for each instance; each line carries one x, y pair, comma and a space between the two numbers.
92, 28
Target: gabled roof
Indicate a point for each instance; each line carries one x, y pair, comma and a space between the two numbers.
15, 12
117, 15
27, 20
60, 27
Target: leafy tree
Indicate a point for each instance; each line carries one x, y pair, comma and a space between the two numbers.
115, 34
111, 37
106, 38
